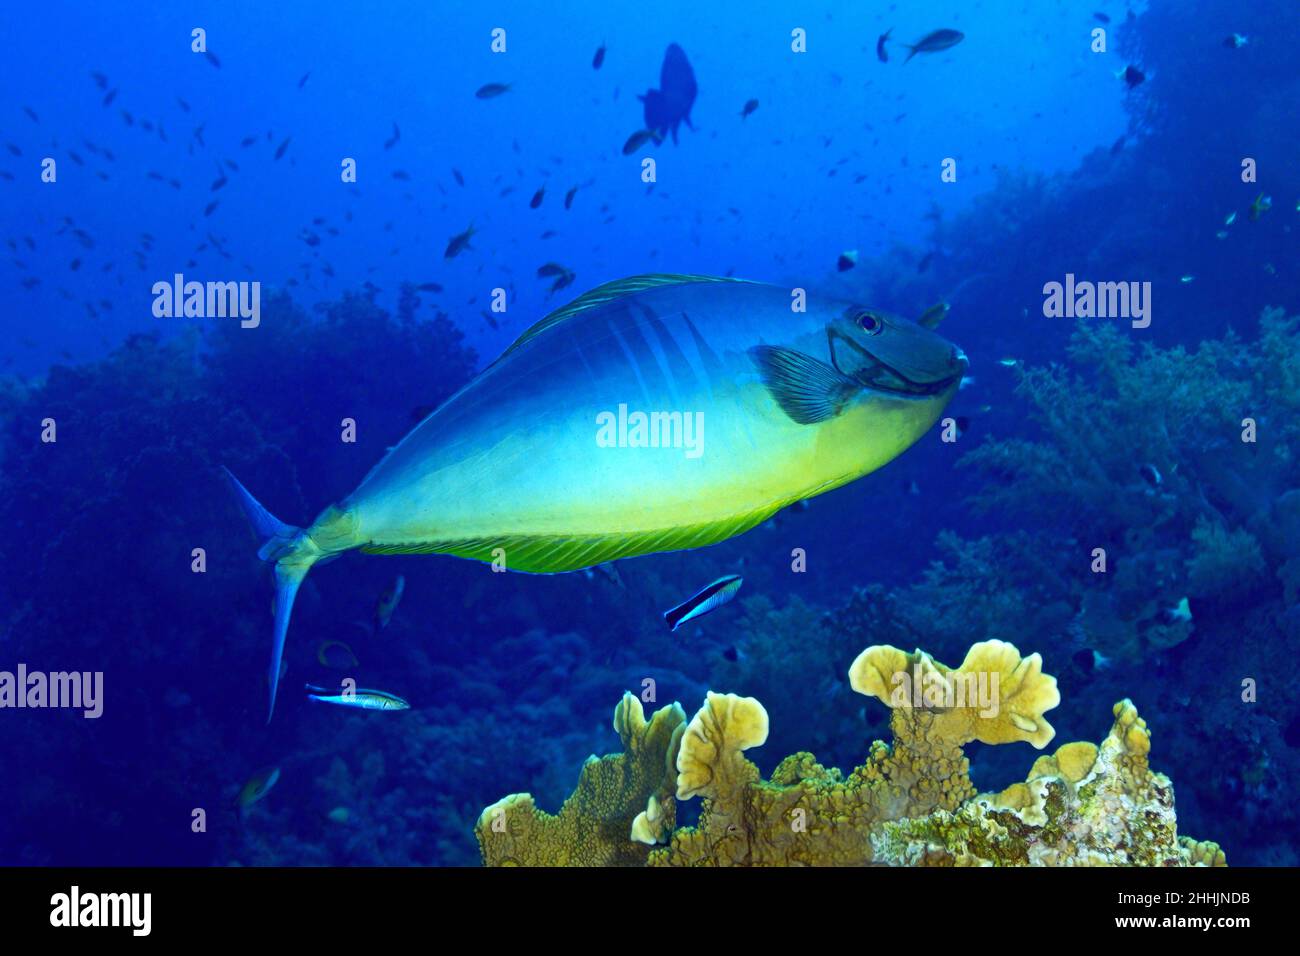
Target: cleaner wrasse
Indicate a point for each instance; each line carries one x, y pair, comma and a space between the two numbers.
741, 406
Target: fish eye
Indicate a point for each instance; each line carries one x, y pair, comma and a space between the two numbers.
869, 323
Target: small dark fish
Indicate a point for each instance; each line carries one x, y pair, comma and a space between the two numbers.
749, 107
392, 140
1132, 76
13, 148
963, 425
881, 53
282, 147
599, 58
258, 786
211, 207
31, 113
715, 595
488, 317
428, 287
303, 81
568, 197
1151, 475
110, 96
212, 58
847, 260
72, 155
100, 79
935, 42
460, 180
639, 139
458, 243
247, 141
218, 183
74, 265
388, 602
490, 90
562, 282
1101, 18
550, 269
731, 653
402, 174
182, 104
128, 118
537, 198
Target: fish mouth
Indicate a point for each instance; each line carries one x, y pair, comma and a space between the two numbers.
880, 376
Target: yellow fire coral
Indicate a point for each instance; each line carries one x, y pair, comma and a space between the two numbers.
709, 759
910, 803
995, 697
595, 827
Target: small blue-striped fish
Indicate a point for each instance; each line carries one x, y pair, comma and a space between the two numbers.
359, 698
715, 595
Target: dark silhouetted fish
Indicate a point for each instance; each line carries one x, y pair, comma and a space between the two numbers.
491, 90
282, 147
392, 140
459, 243
639, 139
749, 107
212, 58
100, 79
110, 96
31, 113
568, 197
460, 180
599, 58
935, 42
537, 198
669, 106
881, 53
303, 81
1131, 76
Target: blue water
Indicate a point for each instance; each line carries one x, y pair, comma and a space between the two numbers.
1061, 167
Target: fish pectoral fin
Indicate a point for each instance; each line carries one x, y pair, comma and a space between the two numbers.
807, 389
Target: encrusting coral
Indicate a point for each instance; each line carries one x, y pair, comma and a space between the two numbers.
910, 803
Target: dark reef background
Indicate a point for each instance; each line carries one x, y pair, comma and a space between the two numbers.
513, 678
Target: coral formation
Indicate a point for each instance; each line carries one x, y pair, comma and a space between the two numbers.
910, 803
621, 801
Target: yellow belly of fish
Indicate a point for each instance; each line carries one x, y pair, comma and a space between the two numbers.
534, 502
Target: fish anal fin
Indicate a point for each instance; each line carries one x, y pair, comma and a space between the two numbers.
807, 389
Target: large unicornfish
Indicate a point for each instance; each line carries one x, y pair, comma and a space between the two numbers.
651, 414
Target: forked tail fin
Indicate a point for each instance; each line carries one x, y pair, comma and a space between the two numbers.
293, 553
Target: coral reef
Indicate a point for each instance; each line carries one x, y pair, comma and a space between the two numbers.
910, 803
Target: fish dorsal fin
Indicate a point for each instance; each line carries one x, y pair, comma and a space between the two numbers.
606, 293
